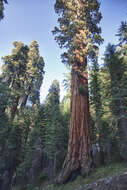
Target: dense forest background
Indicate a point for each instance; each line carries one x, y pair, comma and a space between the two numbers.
34, 136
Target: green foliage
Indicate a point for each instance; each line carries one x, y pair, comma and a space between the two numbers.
115, 62
21, 125
43, 177
48, 187
10, 133
31, 133
101, 172
53, 118
65, 103
4, 100
32, 147
108, 91
2, 4
16, 188
78, 25
55, 132
96, 108
35, 72
23, 72
10, 150
122, 32
83, 90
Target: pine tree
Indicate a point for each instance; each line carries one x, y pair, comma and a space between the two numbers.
54, 131
116, 64
65, 103
95, 94
79, 33
103, 131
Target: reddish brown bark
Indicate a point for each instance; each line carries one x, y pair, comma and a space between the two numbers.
79, 148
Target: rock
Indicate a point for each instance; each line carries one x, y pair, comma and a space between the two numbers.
110, 183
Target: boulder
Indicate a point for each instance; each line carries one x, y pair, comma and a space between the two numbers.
110, 183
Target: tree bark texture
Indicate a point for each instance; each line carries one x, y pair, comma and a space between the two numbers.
79, 148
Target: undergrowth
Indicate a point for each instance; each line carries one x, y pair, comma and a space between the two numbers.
101, 172
98, 173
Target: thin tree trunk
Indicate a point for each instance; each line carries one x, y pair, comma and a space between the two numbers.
24, 101
79, 149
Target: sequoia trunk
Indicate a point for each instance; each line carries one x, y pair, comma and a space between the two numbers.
79, 149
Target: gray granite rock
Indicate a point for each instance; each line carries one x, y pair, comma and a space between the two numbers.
110, 183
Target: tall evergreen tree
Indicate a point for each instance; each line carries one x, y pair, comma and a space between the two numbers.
79, 33
116, 64
95, 90
95, 100
33, 76
54, 132
65, 103
23, 70
14, 68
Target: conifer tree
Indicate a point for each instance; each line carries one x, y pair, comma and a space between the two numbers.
33, 121
14, 68
22, 76
4, 96
54, 131
65, 103
95, 95
33, 76
115, 60
23, 70
79, 33
122, 33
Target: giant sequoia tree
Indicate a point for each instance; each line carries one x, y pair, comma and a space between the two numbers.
13, 73
23, 71
79, 33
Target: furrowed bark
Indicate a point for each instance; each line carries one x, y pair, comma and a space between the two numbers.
79, 148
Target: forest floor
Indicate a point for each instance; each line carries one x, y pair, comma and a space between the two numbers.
100, 172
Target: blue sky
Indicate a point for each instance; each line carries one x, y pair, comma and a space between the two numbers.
28, 20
